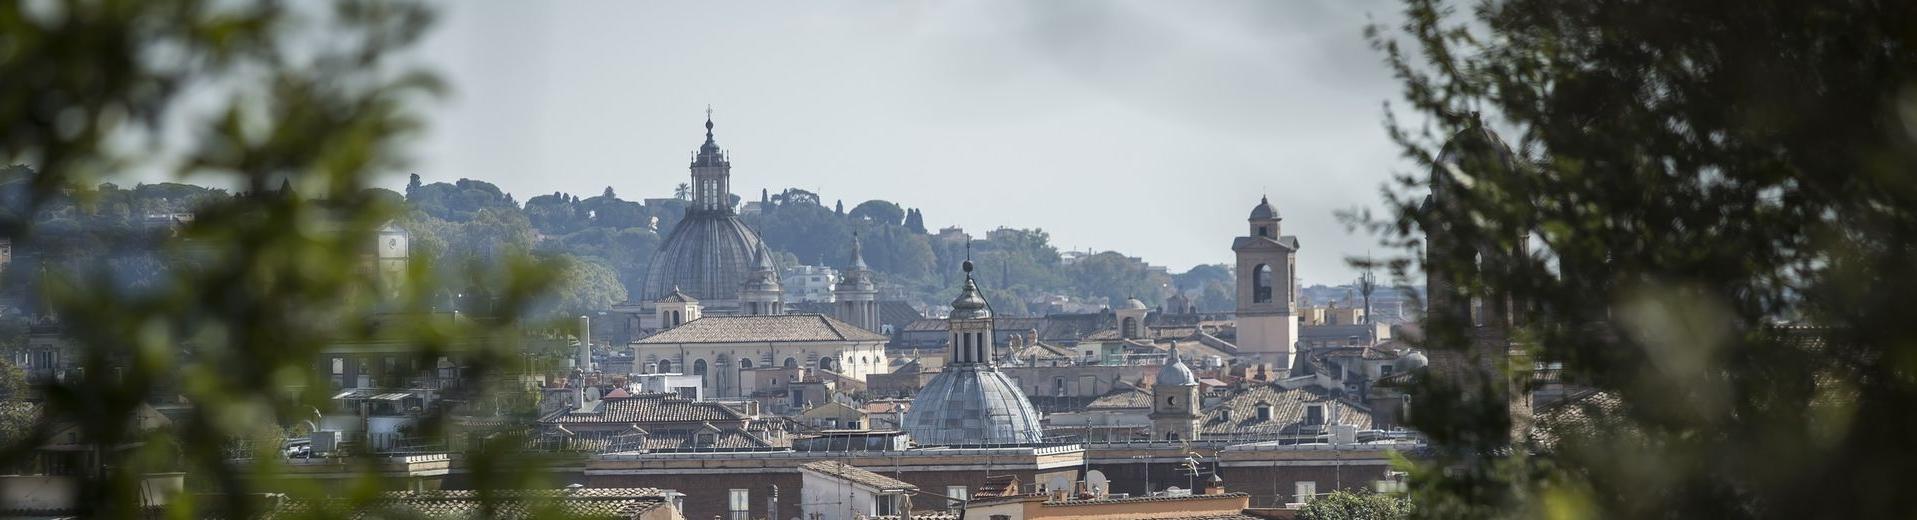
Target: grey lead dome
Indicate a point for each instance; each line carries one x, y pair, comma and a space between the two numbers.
1175, 373
1263, 211
972, 404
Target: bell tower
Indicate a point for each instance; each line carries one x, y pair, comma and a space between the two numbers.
1267, 316
1175, 401
857, 296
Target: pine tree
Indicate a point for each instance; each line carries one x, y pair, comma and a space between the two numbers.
839, 208
412, 186
608, 194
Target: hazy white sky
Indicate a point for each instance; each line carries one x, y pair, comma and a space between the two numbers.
1149, 128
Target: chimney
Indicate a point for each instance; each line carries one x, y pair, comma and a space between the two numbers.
584, 360
1215, 486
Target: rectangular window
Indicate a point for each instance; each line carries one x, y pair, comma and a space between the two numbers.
1305, 491
739, 504
958, 495
1314, 415
887, 505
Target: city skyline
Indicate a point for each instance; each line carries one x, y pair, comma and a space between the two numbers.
1094, 132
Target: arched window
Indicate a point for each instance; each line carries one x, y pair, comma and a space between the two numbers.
699, 367
745, 363
1261, 284
665, 366
791, 363
1130, 327
825, 363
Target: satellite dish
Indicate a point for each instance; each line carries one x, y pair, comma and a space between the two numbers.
1058, 484
1095, 479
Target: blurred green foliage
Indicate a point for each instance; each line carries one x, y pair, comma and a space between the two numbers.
1348, 505
1720, 206
227, 312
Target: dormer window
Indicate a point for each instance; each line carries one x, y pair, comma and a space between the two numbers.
1264, 412
707, 439
1314, 415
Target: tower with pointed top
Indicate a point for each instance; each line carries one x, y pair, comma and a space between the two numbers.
856, 294
1175, 401
1267, 319
762, 294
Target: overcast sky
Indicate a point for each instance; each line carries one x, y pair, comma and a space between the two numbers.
1149, 128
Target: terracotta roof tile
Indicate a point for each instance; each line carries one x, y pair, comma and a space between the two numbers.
647, 408
1238, 413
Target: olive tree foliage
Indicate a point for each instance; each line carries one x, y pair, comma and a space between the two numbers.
1687, 177
256, 284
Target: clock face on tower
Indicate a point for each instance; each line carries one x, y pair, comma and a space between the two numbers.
393, 247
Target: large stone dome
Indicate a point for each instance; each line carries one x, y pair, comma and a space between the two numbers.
709, 256
972, 404
970, 401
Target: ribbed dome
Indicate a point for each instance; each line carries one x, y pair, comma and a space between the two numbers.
1175, 373
972, 404
1263, 211
709, 256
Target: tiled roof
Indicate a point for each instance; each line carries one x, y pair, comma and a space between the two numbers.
899, 314
1055, 327
1154, 498
647, 408
1575, 415
1238, 413
1041, 351
589, 503
854, 474
738, 329
730, 438
927, 325
677, 297
1125, 396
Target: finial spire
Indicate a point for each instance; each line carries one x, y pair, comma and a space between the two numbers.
708, 123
